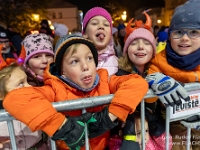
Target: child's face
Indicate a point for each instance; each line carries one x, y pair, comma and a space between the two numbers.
185, 45
39, 62
98, 30
79, 66
140, 52
18, 79
139, 132
5, 45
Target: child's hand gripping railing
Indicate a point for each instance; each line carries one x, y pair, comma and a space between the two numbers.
92, 102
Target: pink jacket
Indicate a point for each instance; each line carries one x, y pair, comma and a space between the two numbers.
154, 143
24, 137
108, 60
158, 143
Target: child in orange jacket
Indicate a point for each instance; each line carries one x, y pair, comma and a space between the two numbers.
13, 77
181, 60
73, 75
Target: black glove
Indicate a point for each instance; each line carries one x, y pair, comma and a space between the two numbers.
156, 124
129, 128
129, 145
129, 134
100, 123
73, 131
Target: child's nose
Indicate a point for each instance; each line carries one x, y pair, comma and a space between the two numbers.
44, 59
85, 66
185, 37
140, 46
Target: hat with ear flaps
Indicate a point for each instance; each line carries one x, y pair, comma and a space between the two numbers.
8, 61
140, 30
65, 42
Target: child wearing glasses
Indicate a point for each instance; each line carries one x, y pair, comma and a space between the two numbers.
181, 61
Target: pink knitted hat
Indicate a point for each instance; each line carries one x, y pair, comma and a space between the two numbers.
96, 11
37, 43
140, 33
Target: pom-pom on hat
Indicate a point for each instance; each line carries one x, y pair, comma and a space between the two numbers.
66, 41
186, 16
3, 33
60, 29
114, 30
37, 43
96, 11
140, 33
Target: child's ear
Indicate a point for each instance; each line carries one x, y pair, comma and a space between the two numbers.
1, 97
85, 35
63, 75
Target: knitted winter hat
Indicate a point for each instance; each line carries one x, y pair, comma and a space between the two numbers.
3, 33
140, 33
114, 30
60, 29
37, 43
96, 11
186, 16
66, 41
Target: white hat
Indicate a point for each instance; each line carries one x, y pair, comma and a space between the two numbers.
60, 29
114, 30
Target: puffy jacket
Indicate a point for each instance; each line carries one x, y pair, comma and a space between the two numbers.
31, 104
108, 60
160, 64
25, 138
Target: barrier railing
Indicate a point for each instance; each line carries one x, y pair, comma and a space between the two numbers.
96, 101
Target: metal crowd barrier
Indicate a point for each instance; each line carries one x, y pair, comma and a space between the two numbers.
96, 101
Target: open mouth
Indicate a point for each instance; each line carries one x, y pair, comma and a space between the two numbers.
100, 36
140, 54
184, 46
87, 79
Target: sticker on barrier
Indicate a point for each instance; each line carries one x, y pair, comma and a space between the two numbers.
188, 108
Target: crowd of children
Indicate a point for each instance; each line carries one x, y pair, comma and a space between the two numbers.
88, 66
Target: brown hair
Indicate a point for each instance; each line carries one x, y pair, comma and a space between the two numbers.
5, 74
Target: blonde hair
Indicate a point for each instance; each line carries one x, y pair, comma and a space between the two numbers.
5, 74
126, 64
74, 49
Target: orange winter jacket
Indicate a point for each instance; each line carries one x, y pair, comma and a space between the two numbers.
160, 64
31, 104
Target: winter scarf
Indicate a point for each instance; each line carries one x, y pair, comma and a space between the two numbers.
187, 62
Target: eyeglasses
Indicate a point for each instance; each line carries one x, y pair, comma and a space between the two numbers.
177, 34
4, 42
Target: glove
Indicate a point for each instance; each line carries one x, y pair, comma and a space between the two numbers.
100, 123
129, 145
156, 125
129, 141
129, 128
192, 122
73, 131
168, 90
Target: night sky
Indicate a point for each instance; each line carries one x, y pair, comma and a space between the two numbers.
129, 5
